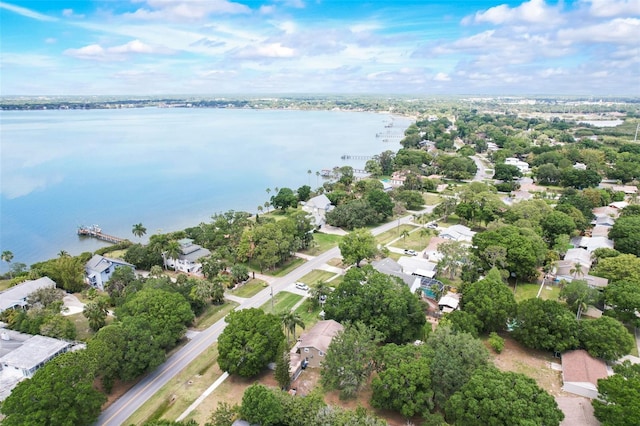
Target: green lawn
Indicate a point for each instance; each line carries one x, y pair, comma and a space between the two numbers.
431, 199
323, 242
251, 288
212, 314
282, 301
415, 240
5, 284
529, 291
309, 317
287, 267
316, 275
392, 234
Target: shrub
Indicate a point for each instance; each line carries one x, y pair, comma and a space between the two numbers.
496, 342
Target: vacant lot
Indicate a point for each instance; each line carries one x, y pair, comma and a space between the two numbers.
317, 275
530, 362
387, 237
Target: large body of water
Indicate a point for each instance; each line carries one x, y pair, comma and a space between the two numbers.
166, 168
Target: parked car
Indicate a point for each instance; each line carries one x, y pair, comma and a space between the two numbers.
410, 252
432, 225
302, 286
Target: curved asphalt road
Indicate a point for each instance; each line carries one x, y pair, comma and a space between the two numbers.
127, 404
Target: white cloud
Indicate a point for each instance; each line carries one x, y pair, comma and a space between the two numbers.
271, 50
620, 30
531, 12
611, 8
186, 10
50, 40
27, 12
68, 13
441, 76
114, 53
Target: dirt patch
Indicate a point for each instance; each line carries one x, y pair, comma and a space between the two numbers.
532, 363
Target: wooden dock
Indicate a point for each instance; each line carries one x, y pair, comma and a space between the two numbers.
95, 231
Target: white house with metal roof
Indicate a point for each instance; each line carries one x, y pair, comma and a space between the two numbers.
16, 296
98, 270
188, 260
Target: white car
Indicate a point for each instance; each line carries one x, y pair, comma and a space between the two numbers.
302, 286
410, 252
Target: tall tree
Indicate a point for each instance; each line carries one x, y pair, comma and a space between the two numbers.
60, 393
606, 338
380, 302
172, 251
578, 296
456, 357
7, 256
493, 397
283, 366
261, 406
490, 301
96, 312
547, 325
358, 245
291, 320
349, 359
624, 299
139, 230
249, 342
618, 402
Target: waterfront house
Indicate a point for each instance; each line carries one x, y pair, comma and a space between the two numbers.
312, 346
98, 270
188, 260
317, 208
16, 297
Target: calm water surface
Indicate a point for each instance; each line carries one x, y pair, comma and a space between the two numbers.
166, 168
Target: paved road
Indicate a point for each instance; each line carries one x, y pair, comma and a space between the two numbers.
127, 404
481, 173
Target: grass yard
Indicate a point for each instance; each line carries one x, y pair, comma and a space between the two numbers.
337, 262
180, 392
416, 240
282, 301
431, 199
386, 237
5, 284
249, 289
116, 254
529, 291
213, 314
309, 317
316, 275
323, 242
287, 267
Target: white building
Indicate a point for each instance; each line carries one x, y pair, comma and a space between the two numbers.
523, 166
187, 261
16, 296
318, 207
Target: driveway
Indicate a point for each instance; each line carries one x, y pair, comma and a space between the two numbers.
72, 305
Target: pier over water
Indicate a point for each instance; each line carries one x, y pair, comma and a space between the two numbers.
96, 232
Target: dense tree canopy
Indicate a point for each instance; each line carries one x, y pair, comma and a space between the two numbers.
494, 397
261, 406
357, 246
490, 301
626, 234
380, 302
619, 268
284, 198
526, 250
456, 357
249, 342
546, 324
61, 393
618, 402
349, 359
166, 313
624, 299
404, 382
605, 338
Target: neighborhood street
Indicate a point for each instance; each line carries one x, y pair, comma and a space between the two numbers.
127, 404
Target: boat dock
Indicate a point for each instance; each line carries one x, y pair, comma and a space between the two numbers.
96, 232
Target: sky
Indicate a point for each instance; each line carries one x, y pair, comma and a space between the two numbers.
414, 47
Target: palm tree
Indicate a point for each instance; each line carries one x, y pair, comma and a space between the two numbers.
7, 256
318, 179
267, 205
173, 251
309, 173
139, 230
576, 270
63, 253
96, 312
155, 271
404, 234
424, 232
290, 320
319, 293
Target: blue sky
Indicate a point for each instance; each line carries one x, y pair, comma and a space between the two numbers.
208, 47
